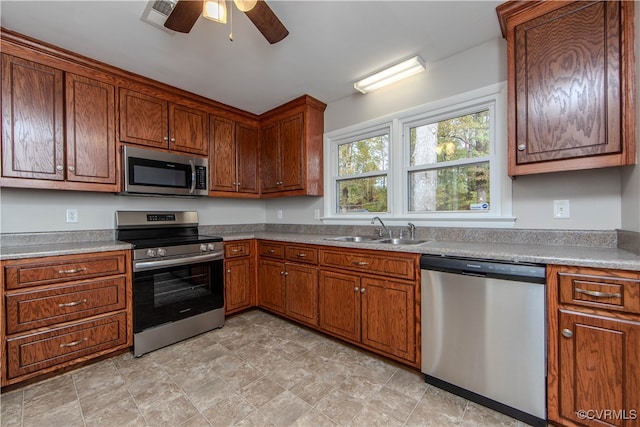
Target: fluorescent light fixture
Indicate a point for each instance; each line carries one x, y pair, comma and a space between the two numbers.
215, 10
390, 75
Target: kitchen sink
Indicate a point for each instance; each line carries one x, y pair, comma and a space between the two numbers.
356, 239
402, 241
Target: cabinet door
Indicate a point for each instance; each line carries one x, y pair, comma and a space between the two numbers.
292, 153
388, 317
223, 154
247, 158
188, 130
270, 158
32, 120
90, 128
568, 87
237, 285
271, 285
598, 368
301, 293
340, 304
143, 119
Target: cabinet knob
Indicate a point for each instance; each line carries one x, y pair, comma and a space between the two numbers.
59, 168
521, 147
71, 169
567, 333
173, 140
362, 290
165, 138
229, 271
286, 273
356, 289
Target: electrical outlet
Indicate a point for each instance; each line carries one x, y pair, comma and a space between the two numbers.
316, 214
72, 215
561, 209
279, 213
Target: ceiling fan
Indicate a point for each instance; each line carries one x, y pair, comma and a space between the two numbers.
185, 13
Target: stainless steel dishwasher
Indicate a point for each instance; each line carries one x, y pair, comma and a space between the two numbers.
483, 333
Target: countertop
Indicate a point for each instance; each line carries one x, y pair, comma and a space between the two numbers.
543, 254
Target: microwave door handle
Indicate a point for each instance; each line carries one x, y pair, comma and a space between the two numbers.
193, 177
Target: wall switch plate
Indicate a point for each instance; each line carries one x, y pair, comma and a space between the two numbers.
72, 215
279, 214
561, 209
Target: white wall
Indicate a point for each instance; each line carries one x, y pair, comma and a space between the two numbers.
631, 175
595, 196
45, 210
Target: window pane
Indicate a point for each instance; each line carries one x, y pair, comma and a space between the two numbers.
365, 155
458, 138
457, 188
362, 194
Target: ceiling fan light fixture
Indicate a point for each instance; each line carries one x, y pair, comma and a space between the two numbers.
390, 75
215, 10
245, 5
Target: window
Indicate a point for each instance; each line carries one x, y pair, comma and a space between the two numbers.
443, 163
449, 163
361, 182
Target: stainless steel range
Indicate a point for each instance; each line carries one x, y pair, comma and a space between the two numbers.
178, 277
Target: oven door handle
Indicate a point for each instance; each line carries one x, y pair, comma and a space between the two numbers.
150, 265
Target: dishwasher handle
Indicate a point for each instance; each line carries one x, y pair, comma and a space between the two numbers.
523, 272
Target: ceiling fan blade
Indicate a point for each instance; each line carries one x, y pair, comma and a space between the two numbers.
267, 22
184, 15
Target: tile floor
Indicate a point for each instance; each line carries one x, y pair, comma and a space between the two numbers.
258, 370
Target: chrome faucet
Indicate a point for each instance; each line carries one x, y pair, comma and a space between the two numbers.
384, 227
412, 230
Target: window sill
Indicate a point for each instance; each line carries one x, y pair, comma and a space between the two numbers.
450, 221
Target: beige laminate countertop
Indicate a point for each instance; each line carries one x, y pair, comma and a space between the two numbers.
543, 254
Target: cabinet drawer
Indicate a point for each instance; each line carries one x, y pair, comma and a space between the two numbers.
35, 352
607, 291
21, 274
236, 249
389, 264
302, 254
29, 310
273, 250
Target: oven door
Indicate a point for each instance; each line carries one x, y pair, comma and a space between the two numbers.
167, 294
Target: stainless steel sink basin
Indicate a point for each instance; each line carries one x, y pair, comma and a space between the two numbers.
356, 239
402, 241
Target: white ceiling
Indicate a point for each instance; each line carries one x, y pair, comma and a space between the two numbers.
330, 44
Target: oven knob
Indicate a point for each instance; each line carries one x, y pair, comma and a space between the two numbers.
151, 253
211, 246
162, 252
203, 248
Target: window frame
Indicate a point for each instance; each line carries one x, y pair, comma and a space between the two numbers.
491, 97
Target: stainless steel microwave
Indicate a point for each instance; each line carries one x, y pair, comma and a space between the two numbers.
153, 172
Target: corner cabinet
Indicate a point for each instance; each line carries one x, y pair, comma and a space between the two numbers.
593, 346
571, 90
58, 128
291, 139
233, 158
153, 121
63, 310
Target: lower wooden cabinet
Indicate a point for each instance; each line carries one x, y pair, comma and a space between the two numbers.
594, 346
63, 310
379, 314
239, 289
289, 288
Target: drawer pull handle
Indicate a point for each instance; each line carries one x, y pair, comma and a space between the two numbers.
301, 255
72, 271
74, 343
271, 251
360, 263
236, 250
72, 303
598, 294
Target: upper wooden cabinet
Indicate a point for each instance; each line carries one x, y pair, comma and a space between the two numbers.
155, 122
233, 156
40, 144
291, 149
571, 85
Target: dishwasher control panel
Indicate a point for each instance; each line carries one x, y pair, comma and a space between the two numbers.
526, 272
